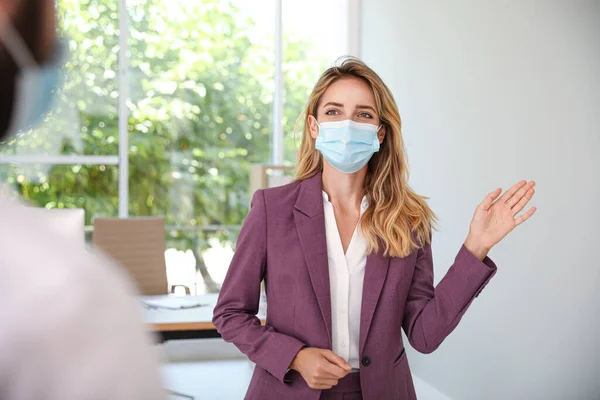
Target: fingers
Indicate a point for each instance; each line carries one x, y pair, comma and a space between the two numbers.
327, 371
326, 375
320, 387
326, 383
511, 192
525, 216
523, 202
322, 383
489, 199
333, 371
519, 194
337, 360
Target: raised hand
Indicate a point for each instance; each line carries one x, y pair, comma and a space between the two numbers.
496, 217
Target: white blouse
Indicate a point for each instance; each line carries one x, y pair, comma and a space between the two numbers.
346, 276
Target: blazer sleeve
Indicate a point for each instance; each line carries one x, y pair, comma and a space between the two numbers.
235, 312
431, 314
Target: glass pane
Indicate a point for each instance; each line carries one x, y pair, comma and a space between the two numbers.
199, 259
315, 35
201, 103
84, 117
91, 187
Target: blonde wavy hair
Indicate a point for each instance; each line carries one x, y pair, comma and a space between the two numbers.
397, 218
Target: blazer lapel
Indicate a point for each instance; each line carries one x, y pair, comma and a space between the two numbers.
310, 225
375, 274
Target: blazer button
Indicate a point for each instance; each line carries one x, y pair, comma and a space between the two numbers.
366, 361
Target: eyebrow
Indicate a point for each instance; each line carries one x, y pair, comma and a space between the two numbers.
360, 106
365, 107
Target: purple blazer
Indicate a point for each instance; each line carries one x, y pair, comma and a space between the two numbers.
283, 241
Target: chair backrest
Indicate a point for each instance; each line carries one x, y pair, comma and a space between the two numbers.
138, 244
68, 222
264, 176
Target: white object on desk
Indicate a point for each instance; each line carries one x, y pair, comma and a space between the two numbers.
175, 303
161, 316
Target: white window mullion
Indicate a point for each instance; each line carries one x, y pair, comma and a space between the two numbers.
59, 160
277, 137
123, 111
354, 27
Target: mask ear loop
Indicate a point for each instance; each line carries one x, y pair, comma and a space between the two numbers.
376, 144
319, 137
317, 122
15, 45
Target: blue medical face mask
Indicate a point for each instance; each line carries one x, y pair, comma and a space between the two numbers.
347, 145
37, 85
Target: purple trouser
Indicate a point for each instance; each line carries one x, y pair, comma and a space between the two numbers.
348, 388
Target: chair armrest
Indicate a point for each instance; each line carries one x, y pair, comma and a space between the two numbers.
187, 289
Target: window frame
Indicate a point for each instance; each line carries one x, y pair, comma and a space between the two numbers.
121, 160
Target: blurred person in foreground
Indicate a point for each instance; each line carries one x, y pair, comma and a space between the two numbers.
69, 325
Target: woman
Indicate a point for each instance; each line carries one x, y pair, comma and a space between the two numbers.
345, 252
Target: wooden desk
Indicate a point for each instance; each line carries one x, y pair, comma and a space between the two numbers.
187, 323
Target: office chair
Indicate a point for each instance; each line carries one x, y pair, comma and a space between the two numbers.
138, 244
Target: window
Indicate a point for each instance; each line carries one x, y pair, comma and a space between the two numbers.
165, 107
91, 187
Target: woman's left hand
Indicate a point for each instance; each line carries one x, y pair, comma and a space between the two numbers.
496, 217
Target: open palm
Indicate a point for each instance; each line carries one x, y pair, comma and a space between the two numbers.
496, 217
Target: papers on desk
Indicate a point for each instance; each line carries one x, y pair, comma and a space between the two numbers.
173, 303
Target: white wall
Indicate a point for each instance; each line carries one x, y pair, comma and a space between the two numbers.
492, 92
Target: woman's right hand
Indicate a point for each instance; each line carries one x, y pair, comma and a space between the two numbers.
320, 368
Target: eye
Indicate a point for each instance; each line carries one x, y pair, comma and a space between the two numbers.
332, 112
365, 115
